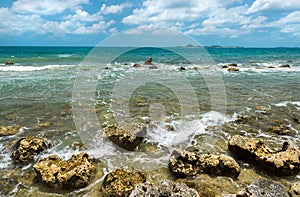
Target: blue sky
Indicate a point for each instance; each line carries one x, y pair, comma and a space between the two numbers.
260, 23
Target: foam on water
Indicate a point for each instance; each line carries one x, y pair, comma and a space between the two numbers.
33, 68
285, 103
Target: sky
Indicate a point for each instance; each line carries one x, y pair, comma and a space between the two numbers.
249, 23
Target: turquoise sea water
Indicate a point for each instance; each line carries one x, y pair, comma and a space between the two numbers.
36, 93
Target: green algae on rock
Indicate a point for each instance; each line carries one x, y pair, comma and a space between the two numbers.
284, 162
9, 130
163, 188
121, 182
71, 174
24, 149
127, 135
185, 163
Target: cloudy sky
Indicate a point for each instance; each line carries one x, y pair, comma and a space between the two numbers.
258, 23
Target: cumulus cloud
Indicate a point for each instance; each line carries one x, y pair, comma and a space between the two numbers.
114, 9
262, 5
45, 7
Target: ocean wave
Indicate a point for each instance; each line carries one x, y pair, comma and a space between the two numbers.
32, 68
64, 55
285, 103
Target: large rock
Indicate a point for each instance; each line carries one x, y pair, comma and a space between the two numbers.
263, 187
127, 135
163, 188
24, 149
284, 162
184, 163
121, 182
70, 174
9, 130
295, 190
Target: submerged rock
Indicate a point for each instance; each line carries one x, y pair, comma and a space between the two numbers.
232, 69
121, 182
127, 135
24, 149
148, 61
295, 190
264, 187
68, 175
9, 130
279, 129
184, 163
284, 162
163, 188
153, 67
136, 65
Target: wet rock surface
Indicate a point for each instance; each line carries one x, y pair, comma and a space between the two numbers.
264, 188
163, 188
233, 69
185, 164
24, 149
9, 130
295, 190
68, 175
283, 162
148, 61
127, 135
121, 182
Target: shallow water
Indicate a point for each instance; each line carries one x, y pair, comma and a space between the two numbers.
36, 93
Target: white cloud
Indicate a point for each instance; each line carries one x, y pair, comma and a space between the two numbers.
45, 7
262, 5
101, 26
114, 9
82, 15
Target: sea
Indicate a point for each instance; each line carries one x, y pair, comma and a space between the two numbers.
187, 97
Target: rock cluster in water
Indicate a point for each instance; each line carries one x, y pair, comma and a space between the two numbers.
121, 182
185, 164
163, 188
9, 130
127, 135
24, 149
70, 174
283, 162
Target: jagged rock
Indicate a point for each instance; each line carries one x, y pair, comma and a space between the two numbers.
148, 61
233, 65
121, 182
232, 69
285, 66
68, 175
186, 163
279, 129
136, 65
9, 130
24, 149
295, 190
127, 135
263, 187
163, 188
284, 162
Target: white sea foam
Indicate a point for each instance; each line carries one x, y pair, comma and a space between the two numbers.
32, 68
64, 55
285, 103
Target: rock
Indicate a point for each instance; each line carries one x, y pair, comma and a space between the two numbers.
295, 190
182, 68
153, 67
121, 182
163, 188
148, 61
280, 129
271, 66
185, 163
136, 65
262, 109
127, 135
9, 130
285, 66
242, 119
289, 61
170, 128
194, 68
71, 174
225, 66
231, 69
233, 65
9, 63
284, 162
264, 187
24, 149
